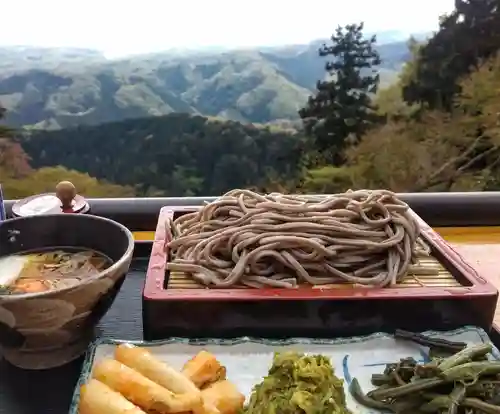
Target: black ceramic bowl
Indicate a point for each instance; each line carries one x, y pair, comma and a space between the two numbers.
48, 329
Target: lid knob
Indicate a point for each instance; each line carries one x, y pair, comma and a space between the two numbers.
66, 192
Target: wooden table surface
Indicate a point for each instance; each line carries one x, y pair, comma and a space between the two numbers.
480, 246
49, 392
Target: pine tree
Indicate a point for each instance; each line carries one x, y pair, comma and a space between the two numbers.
342, 106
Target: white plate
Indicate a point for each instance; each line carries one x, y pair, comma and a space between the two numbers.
247, 359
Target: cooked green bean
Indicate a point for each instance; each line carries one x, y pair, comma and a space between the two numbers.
456, 398
471, 371
481, 406
466, 355
381, 379
464, 383
413, 387
437, 404
430, 342
358, 394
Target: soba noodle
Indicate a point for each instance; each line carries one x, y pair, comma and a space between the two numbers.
243, 238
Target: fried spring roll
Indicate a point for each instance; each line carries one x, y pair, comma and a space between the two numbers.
143, 392
224, 396
158, 371
204, 369
98, 398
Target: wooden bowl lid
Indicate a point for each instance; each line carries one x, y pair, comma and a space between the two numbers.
52, 203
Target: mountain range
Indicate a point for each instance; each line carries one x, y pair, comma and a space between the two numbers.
52, 88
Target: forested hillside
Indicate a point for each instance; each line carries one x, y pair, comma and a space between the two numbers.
20, 180
63, 88
176, 155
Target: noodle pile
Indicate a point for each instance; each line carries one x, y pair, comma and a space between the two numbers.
244, 238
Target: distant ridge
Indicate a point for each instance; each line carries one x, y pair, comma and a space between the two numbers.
53, 88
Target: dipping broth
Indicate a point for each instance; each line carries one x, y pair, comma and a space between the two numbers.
42, 271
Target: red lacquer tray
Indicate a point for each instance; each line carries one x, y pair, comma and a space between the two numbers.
470, 287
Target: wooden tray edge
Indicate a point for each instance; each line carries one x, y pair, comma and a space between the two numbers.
450, 259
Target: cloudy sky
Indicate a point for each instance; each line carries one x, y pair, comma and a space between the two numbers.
126, 27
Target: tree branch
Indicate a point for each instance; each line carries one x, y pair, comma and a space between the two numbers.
450, 180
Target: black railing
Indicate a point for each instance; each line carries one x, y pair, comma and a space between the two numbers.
437, 209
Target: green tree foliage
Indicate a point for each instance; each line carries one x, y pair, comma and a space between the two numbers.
342, 105
438, 151
466, 36
328, 180
19, 180
44, 180
389, 100
175, 155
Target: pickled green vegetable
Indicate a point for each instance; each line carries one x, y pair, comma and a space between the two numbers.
298, 383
